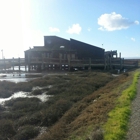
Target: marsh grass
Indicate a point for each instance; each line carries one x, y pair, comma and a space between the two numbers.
117, 124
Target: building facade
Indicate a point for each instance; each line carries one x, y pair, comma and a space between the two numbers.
57, 51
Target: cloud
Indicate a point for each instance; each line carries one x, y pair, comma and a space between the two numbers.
133, 39
113, 21
137, 22
52, 29
75, 29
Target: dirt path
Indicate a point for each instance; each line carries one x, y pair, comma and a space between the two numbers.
134, 128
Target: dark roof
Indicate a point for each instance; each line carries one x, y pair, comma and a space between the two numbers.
56, 37
37, 48
42, 48
85, 43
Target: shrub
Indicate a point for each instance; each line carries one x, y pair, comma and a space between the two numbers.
26, 132
56, 90
33, 119
23, 86
37, 92
55, 112
7, 128
97, 134
4, 93
24, 104
57, 132
1, 108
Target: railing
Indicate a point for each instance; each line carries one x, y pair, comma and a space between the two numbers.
116, 62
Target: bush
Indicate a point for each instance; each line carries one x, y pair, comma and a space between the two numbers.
55, 112
6, 128
37, 92
33, 119
4, 93
23, 86
97, 134
1, 108
56, 90
26, 132
24, 104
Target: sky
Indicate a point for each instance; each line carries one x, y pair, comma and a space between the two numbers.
111, 25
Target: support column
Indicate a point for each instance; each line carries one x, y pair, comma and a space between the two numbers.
105, 63
25, 68
120, 63
60, 64
120, 55
19, 64
110, 61
29, 68
13, 63
69, 64
89, 64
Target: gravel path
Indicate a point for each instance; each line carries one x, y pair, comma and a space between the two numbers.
134, 128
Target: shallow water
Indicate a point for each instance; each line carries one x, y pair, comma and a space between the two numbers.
15, 77
43, 97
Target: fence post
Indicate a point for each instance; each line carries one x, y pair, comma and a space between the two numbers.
4, 65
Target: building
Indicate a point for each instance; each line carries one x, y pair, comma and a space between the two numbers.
59, 51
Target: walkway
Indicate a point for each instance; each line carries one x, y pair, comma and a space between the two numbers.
134, 128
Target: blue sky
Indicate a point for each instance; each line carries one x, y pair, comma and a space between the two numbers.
112, 25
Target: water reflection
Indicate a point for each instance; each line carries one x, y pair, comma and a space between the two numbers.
15, 77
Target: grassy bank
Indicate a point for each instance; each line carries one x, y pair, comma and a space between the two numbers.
85, 118
117, 124
77, 109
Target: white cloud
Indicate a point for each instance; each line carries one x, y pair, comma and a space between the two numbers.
52, 29
75, 29
113, 21
137, 22
133, 39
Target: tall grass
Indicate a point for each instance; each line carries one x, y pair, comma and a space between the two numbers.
117, 124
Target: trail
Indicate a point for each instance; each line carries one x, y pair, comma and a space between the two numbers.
134, 124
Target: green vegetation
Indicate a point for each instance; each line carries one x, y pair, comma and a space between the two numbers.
117, 124
77, 109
